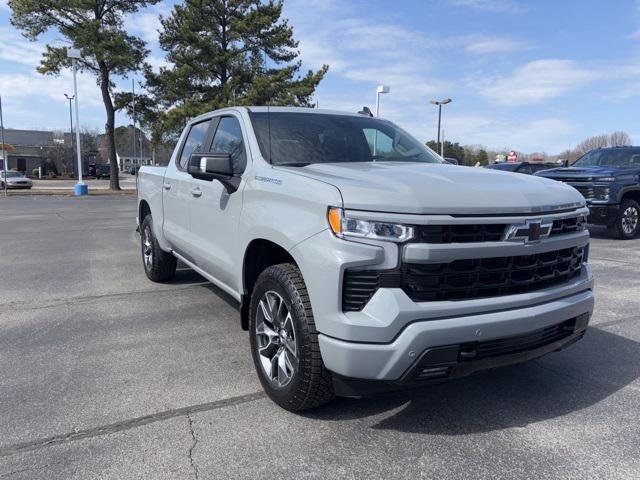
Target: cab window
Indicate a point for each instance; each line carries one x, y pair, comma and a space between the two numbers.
228, 139
194, 142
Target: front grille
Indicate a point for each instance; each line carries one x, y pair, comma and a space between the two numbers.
516, 344
459, 233
484, 232
568, 225
572, 179
465, 279
587, 191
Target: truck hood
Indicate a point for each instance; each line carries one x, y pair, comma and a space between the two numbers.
585, 172
424, 188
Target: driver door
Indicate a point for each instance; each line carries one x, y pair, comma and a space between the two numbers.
215, 213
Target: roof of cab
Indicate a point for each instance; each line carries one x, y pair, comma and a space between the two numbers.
256, 109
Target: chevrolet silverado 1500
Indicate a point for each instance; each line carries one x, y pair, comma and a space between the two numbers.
359, 259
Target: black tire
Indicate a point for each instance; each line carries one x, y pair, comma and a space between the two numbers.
160, 266
310, 384
621, 228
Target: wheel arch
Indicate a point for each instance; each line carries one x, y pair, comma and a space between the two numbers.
143, 210
259, 255
633, 194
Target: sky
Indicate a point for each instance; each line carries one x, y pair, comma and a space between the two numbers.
534, 76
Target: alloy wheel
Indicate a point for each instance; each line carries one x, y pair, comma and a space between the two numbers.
630, 220
147, 249
276, 341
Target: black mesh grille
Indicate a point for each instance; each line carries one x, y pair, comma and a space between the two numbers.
568, 225
516, 344
459, 233
587, 191
483, 232
465, 279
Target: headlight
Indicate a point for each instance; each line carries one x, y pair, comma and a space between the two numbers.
343, 226
605, 179
601, 192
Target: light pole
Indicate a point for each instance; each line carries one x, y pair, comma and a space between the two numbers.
70, 98
80, 188
379, 90
439, 103
133, 115
4, 157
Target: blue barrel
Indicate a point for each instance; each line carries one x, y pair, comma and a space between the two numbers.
81, 189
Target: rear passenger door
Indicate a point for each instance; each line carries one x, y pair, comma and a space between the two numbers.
177, 196
214, 212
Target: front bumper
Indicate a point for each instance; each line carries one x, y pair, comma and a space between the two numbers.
603, 214
393, 361
457, 361
16, 186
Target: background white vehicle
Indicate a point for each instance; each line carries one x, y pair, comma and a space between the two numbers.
360, 261
14, 179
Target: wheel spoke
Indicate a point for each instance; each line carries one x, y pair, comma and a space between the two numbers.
275, 339
269, 348
265, 311
285, 369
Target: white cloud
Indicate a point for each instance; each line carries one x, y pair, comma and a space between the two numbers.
551, 134
487, 45
506, 6
537, 81
146, 23
4, 5
16, 48
33, 85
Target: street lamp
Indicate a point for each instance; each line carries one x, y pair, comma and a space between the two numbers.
70, 98
80, 188
379, 90
439, 103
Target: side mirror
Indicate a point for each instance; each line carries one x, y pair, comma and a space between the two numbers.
214, 166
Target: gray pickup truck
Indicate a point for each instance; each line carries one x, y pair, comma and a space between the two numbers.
361, 261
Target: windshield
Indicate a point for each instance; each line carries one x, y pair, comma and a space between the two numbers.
12, 174
610, 157
509, 167
299, 139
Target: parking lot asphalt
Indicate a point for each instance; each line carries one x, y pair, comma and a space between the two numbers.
104, 374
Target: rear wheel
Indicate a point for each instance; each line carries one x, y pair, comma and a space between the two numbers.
284, 341
159, 265
627, 224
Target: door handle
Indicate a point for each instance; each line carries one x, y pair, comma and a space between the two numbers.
166, 186
196, 192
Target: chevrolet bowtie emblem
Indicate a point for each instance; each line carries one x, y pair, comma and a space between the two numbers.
530, 232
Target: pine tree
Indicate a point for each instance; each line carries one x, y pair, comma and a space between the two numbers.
94, 27
226, 52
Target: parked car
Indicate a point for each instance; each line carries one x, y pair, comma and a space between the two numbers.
133, 169
609, 179
103, 171
362, 268
14, 179
528, 168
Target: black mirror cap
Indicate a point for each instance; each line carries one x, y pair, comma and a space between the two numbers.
214, 166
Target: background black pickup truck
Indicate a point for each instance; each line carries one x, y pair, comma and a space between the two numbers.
609, 179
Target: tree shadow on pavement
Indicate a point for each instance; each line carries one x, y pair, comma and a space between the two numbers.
576, 378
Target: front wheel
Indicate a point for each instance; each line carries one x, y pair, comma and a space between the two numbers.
627, 223
284, 341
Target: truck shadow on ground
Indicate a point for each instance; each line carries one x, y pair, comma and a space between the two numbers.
559, 384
